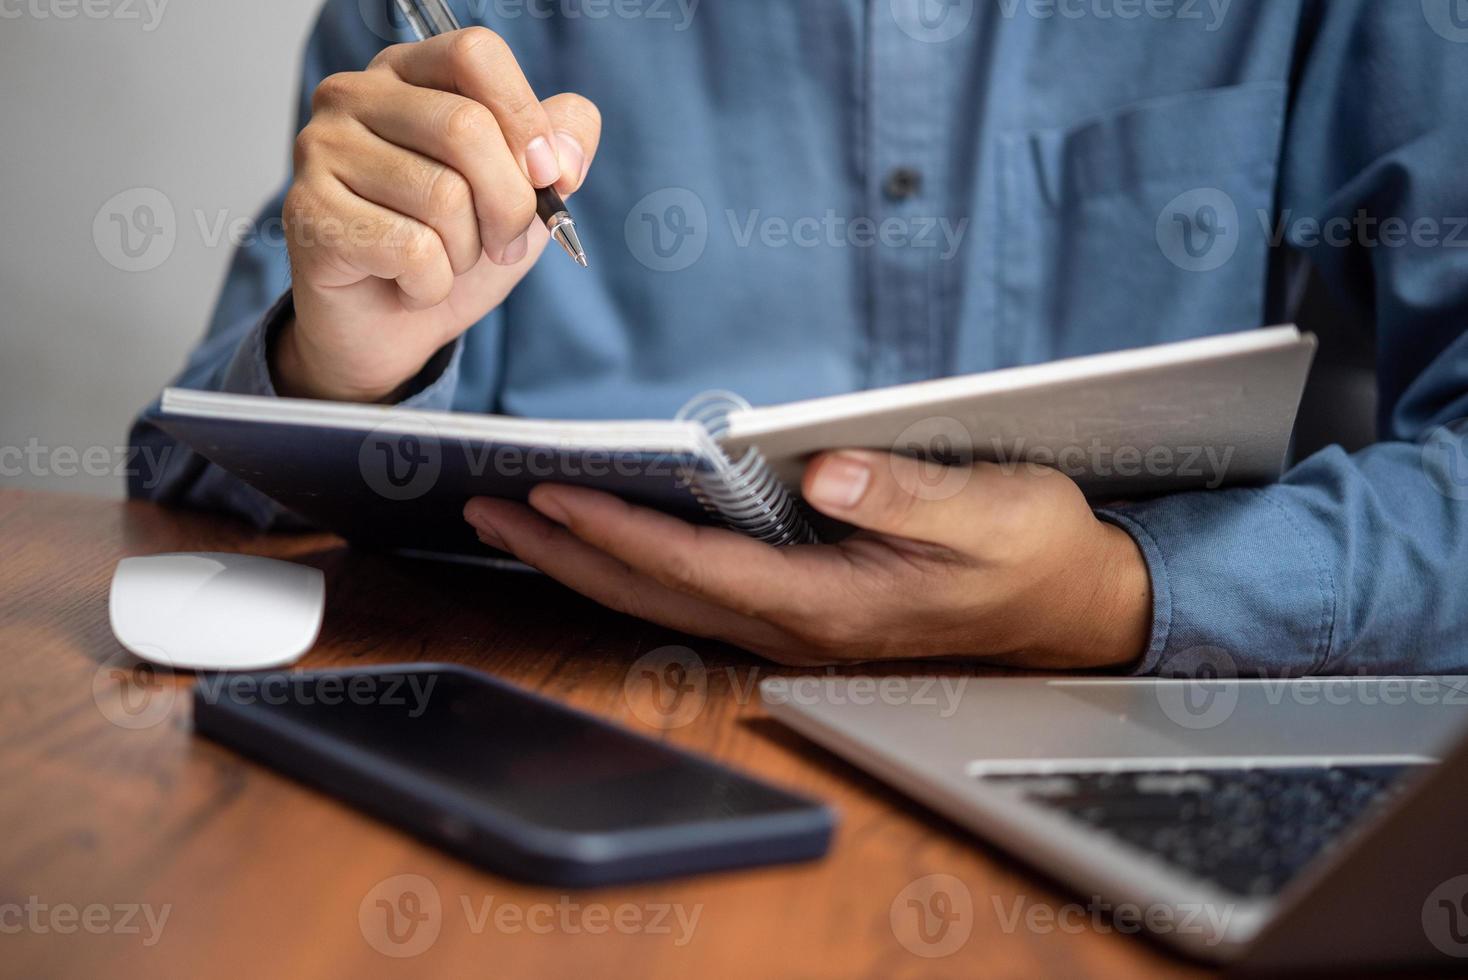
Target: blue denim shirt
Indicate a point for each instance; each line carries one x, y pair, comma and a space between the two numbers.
795, 199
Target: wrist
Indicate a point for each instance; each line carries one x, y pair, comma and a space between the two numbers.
287, 373
1107, 619
1123, 608
294, 375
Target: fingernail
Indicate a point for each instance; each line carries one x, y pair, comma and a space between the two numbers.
548, 505
474, 514
840, 483
573, 160
541, 162
515, 251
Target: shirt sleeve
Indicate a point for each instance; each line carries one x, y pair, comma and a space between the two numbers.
1353, 563
255, 300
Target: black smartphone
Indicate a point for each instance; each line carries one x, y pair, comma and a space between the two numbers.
507, 778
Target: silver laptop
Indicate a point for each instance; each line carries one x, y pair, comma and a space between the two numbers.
1307, 823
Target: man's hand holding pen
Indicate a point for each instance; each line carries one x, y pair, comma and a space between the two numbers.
413, 209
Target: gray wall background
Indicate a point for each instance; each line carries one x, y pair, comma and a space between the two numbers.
192, 100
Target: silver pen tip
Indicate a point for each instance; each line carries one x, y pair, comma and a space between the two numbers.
565, 233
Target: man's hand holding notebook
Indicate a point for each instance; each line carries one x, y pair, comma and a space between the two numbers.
956, 514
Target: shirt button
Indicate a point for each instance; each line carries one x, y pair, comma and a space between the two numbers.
902, 183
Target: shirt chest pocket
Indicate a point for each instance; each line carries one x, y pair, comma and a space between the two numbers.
1145, 225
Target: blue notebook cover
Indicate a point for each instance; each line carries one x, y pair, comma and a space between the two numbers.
397, 478
391, 479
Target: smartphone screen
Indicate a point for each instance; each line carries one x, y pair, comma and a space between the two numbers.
455, 748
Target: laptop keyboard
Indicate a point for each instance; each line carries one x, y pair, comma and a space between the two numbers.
1249, 831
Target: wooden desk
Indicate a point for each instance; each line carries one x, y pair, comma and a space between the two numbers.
108, 801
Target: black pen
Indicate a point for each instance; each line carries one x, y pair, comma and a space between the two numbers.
430, 18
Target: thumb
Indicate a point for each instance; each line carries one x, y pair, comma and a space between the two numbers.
577, 125
892, 494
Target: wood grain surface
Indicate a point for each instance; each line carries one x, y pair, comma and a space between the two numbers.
112, 811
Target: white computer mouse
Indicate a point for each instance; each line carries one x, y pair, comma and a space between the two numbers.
216, 611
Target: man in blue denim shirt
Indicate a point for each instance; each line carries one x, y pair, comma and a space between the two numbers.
793, 199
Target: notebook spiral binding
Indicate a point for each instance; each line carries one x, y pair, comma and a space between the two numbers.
745, 495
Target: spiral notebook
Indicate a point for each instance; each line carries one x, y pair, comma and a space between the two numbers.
1197, 414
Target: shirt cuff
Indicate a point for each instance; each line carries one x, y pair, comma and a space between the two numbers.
1238, 584
248, 372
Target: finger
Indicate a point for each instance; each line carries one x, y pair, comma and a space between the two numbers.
454, 130
558, 553
714, 564
577, 123
478, 64
910, 498
342, 239
417, 186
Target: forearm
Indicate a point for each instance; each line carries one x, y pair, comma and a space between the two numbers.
1352, 564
